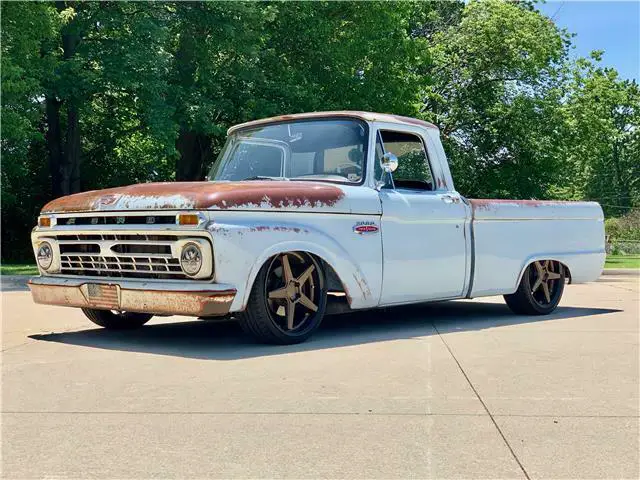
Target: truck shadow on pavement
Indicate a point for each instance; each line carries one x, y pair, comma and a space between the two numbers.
224, 340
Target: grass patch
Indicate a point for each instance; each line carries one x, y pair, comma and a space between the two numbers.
622, 261
18, 269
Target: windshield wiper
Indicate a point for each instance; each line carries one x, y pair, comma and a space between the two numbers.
264, 177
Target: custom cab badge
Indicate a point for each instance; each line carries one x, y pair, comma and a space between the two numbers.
362, 228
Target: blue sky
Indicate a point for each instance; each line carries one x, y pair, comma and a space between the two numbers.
612, 26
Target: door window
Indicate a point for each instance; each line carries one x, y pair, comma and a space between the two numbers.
413, 164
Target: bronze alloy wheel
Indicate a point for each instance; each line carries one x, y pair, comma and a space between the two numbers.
292, 286
544, 279
540, 289
288, 299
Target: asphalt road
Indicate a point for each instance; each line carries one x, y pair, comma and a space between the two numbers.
451, 390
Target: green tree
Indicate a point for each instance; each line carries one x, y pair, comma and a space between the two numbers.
24, 25
603, 117
107, 55
345, 55
241, 61
497, 87
24, 173
79, 81
215, 52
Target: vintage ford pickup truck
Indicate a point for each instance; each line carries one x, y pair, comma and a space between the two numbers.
350, 207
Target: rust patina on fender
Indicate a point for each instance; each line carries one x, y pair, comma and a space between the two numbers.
505, 209
489, 203
202, 196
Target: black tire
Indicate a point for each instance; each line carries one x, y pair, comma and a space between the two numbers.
117, 321
528, 300
260, 319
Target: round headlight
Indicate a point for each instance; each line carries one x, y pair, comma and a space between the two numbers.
45, 255
191, 259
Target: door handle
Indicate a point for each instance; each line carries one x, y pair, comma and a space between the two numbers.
449, 199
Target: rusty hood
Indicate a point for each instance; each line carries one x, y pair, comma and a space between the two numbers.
247, 195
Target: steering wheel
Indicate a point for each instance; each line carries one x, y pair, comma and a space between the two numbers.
356, 168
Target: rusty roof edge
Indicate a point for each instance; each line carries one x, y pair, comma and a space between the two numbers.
366, 116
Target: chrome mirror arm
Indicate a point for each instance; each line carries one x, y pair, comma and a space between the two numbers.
381, 183
389, 163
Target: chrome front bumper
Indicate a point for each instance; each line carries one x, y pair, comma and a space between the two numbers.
198, 299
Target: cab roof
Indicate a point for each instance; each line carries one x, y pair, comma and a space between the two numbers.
366, 116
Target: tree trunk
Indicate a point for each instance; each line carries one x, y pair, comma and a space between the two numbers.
54, 145
73, 149
195, 154
195, 148
71, 169
64, 147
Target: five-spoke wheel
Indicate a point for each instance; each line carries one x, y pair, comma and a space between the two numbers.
288, 299
540, 289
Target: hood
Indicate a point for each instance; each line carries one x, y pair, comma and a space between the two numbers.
247, 195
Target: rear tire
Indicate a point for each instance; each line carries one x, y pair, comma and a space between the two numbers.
117, 321
287, 301
540, 289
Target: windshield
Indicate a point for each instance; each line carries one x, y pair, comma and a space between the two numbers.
330, 150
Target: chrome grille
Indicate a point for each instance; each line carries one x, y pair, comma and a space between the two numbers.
119, 255
141, 267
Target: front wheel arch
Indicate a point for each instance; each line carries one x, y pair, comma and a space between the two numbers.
348, 273
288, 299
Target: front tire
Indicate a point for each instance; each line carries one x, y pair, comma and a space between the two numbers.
287, 301
116, 320
540, 289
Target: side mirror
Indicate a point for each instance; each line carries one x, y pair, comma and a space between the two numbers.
389, 162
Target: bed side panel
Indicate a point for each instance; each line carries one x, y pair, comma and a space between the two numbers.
511, 234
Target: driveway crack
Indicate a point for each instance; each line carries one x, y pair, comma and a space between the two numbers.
524, 471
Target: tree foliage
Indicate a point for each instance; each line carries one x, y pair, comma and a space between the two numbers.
602, 114
495, 98
96, 94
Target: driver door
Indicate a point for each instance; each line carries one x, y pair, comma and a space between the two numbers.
424, 248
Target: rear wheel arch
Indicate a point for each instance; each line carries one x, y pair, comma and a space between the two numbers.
530, 261
540, 288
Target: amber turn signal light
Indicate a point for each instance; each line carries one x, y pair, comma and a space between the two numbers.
44, 221
188, 219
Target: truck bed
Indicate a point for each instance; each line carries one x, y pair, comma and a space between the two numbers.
507, 235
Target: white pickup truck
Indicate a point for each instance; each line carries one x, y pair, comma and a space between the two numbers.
301, 212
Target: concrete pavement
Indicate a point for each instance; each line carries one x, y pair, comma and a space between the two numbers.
452, 390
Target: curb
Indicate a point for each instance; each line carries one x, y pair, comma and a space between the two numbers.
13, 283
622, 271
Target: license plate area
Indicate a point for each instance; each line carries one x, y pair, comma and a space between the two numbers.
102, 296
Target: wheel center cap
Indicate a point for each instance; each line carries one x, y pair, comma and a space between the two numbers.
293, 290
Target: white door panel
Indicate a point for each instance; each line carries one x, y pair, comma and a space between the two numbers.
424, 246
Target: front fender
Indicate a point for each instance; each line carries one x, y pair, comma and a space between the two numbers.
241, 247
